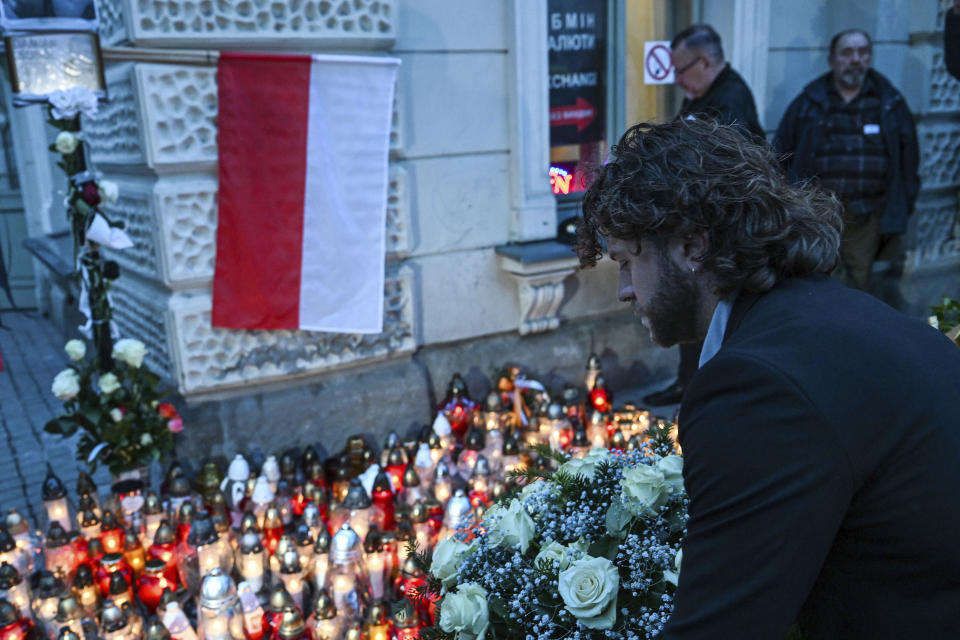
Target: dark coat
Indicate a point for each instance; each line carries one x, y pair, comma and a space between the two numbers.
728, 101
951, 43
802, 126
822, 458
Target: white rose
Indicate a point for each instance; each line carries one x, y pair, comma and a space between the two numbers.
66, 385
146, 439
75, 349
933, 322
116, 414
672, 469
673, 577
589, 590
512, 526
587, 465
645, 489
109, 383
130, 351
465, 612
108, 190
556, 552
447, 556
66, 142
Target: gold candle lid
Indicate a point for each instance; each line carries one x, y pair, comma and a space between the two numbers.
279, 599
292, 624
156, 631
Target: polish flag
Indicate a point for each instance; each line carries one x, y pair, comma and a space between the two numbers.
303, 154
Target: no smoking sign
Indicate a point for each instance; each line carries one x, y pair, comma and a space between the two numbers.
657, 67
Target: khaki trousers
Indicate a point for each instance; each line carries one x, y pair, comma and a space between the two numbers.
859, 246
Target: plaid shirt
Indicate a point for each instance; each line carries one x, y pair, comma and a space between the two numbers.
851, 159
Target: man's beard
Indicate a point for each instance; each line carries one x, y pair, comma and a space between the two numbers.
671, 315
853, 76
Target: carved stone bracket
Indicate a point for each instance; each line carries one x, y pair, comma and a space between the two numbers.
539, 269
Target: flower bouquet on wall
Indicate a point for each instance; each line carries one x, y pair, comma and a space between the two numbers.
946, 318
122, 421
591, 550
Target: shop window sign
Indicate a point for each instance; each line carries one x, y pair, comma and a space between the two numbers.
577, 44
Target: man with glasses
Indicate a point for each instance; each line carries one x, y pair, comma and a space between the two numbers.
852, 130
714, 91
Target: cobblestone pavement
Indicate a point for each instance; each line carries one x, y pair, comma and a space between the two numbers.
32, 355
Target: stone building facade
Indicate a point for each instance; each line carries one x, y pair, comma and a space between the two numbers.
474, 279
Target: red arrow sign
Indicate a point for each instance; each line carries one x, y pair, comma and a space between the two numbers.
581, 113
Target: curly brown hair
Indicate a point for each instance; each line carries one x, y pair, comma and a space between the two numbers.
685, 177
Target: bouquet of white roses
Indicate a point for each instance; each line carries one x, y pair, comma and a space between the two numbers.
589, 551
123, 424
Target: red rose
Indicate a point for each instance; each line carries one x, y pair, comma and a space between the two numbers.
90, 194
167, 410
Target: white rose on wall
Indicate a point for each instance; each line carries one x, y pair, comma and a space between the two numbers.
109, 190
130, 351
76, 350
561, 554
66, 385
465, 612
66, 142
108, 383
589, 590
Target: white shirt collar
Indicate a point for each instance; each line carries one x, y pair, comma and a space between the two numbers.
718, 327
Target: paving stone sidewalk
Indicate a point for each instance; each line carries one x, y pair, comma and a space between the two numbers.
32, 355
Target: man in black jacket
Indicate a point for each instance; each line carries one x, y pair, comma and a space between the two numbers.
853, 131
820, 435
951, 39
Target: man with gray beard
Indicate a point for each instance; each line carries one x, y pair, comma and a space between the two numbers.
853, 131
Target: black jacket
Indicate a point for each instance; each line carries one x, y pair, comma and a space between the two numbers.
822, 459
802, 126
951, 43
728, 101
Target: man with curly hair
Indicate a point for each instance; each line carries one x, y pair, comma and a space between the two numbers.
821, 444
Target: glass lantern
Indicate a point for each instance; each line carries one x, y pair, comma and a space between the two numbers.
151, 584
312, 517
176, 621
347, 579
323, 622
271, 472
113, 622
376, 563
291, 574
424, 464
219, 614
382, 496
13, 625
479, 483
272, 528
153, 515
13, 554
377, 625
201, 553
473, 446
164, 548
293, 626
273, 613
304, 543
251, 560
70, 615
458, 517
85, 590
134, 554
14, 589
120, 591
156, 631
442, 483
276, 558
46, 598
55, 501
111, 535
59, 553
357, 508
320, 563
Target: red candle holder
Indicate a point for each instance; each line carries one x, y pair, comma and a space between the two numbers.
110, 564
151, 584
16, 628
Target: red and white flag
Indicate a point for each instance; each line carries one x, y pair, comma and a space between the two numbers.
303, 146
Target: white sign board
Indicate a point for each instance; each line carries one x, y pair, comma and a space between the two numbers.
657, 67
